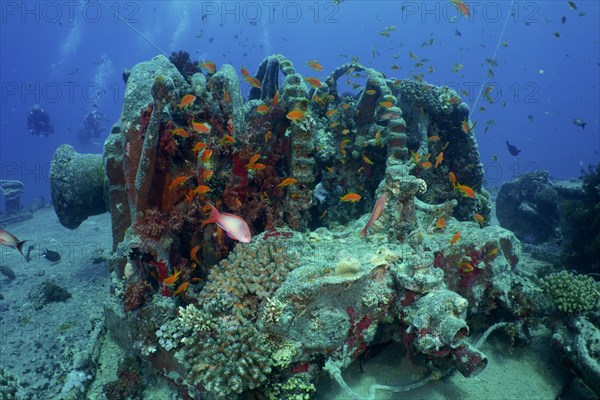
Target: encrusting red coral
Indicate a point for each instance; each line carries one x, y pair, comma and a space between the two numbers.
356, 332
136, 294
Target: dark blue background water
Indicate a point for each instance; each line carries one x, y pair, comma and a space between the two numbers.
68, 56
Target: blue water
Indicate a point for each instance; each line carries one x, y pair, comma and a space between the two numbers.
69, 56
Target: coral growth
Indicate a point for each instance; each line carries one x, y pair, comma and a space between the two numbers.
136, 295
181, 60
128, 385
227, 351
267, 313
48, 292
9, 385
571, 293
155, 224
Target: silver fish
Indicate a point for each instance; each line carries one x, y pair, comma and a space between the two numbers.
579, 122
10, 240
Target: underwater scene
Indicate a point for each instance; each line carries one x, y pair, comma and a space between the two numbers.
299, 200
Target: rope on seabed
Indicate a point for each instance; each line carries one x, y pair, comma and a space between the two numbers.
334, 371
489, 331
493, 58
333, 368
146, 39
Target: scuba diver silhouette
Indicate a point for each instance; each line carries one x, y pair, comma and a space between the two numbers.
92, 128
38, 121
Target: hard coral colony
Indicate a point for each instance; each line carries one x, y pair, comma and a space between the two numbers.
268, 296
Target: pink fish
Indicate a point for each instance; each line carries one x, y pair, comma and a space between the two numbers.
10, 240
375, 214
236, 227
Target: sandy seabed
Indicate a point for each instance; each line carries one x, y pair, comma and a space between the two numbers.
42, 343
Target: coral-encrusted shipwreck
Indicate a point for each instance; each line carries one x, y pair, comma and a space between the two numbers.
308, 294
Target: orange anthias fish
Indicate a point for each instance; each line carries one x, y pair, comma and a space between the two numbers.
255, 83
262, 109
245, 72
493, 252
287, 182
227, 97
462, 7
170, 281
206, 154
10, 240
479, 218
375, 214
455, 239
256, 167
351, 197
426, 164
433, 138
439, 158
466, 127
275, 99
180, 132
201, 189
194, 252
331, 112
186, 101
267, 136
386, 104
253, 159
198, 147
207, 174
466, 266
295, 115
227, 139
182, 288
315, 65
209, 66
235, 226
452, 178
440, 223
467, 191
314, 82
189, 197
180, 180
343, 145
201, 127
